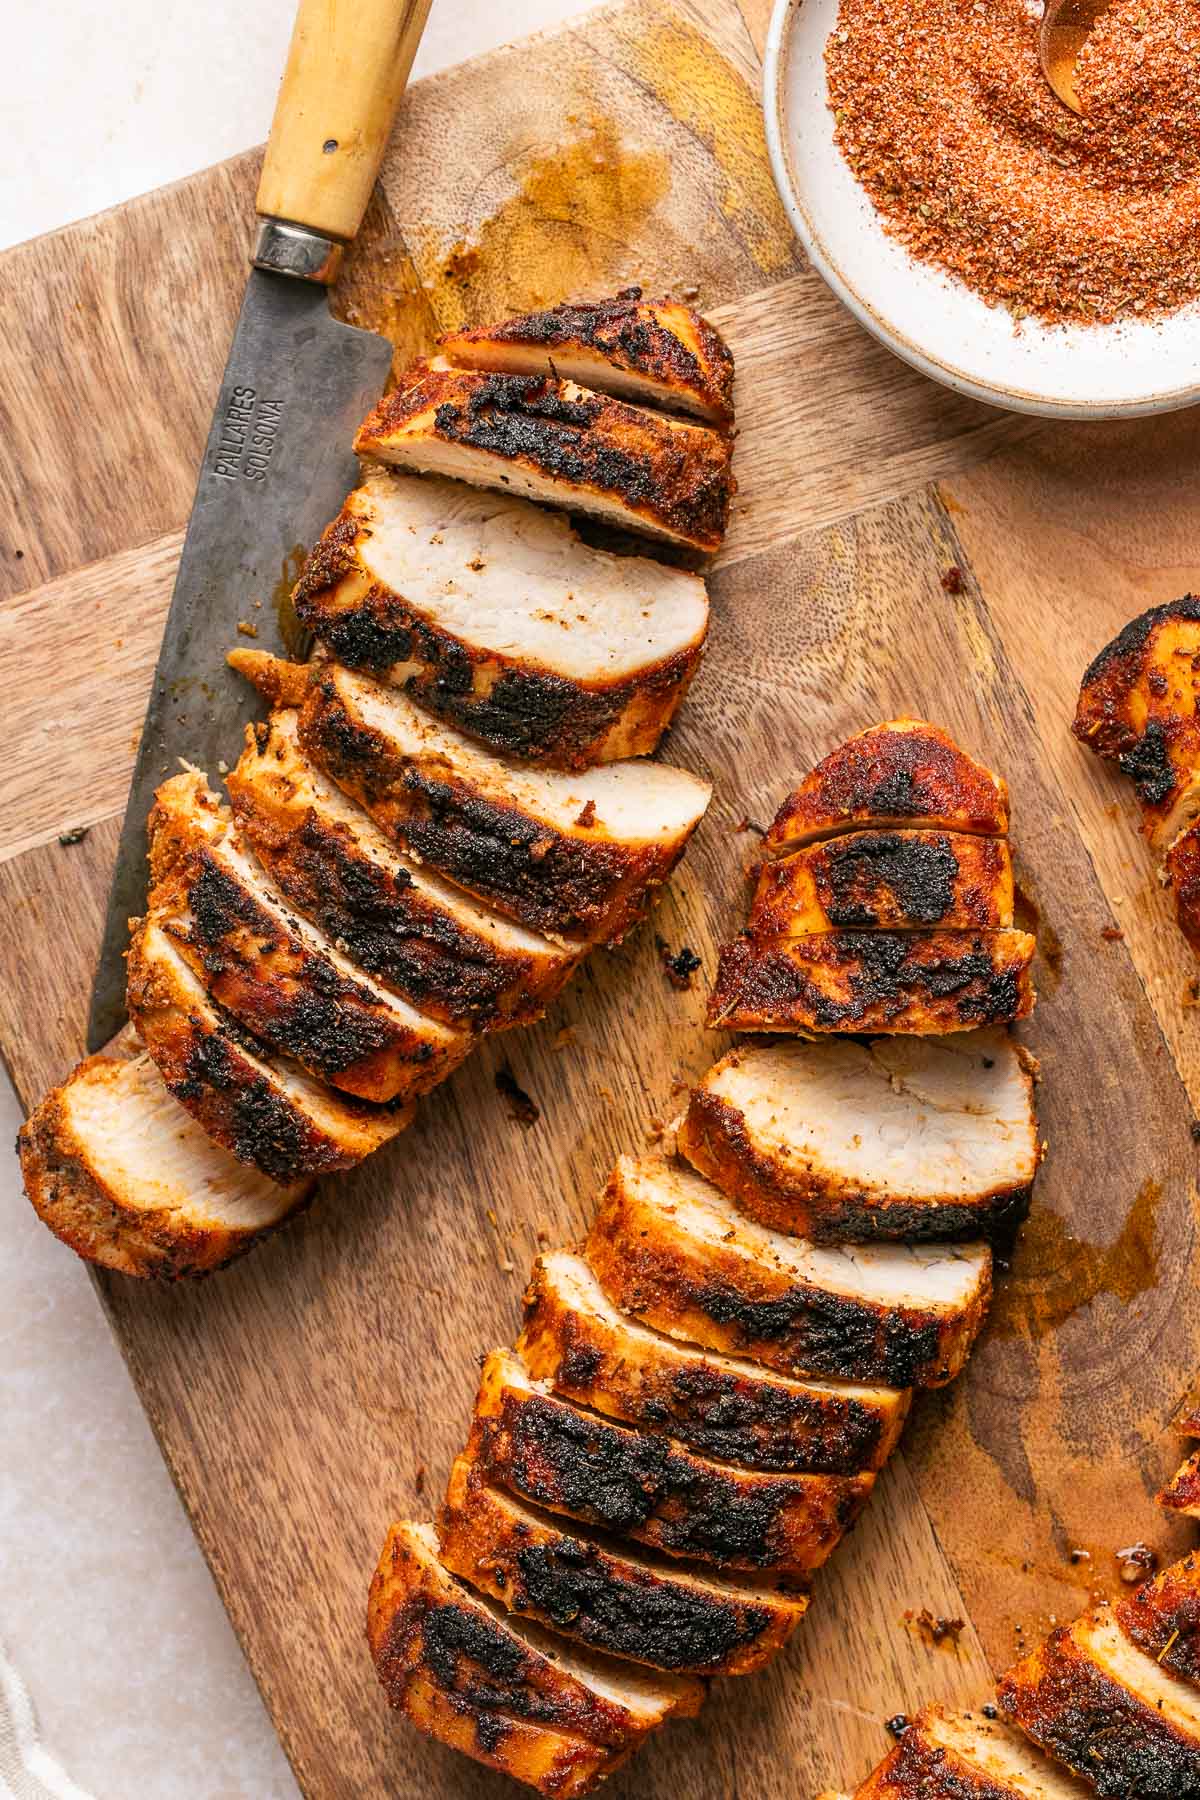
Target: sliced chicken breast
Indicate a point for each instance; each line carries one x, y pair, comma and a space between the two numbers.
905, 1137
554, 1715
570, 855
1138, 708
1163, 1619
612, 1599
945, 1755
421, 936
654, 351
1108, 1711
1181, 873
577, 1342
1182, 1492
874, 981
641, 1485
496, 616
279, 976
125, 1176
886, 880
267, 1111
552, 441
670, 1249
904, 772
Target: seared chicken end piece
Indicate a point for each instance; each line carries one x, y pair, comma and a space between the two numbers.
564, 445
419, 935
919, 982
1163, 1619
576, 1341
551, 1714
124, 1175
1108, 1711
1138, 708
496, 616
653, 351
671, 1250
569, 855
277, 975
613, 1599
905, 1137
946, 1755
1182, 1492
1181, 873
267, 1111
886, 880
650, 1488
904, 772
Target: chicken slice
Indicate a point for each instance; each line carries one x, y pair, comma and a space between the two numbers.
1181, 873
612, 1599
654, 351
123, 1175
1108, 1711
421, 936
577, 1342
265, 1110
904, 772
946, 1755
670, 1249
906, 1137
552, 441
1182, 1492
554, 1715
1163, 1619
1138, 708
651, 1488
928, 982
278, 976
496, 616
569, 855
886, 880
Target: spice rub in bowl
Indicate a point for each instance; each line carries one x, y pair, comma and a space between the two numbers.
943, 114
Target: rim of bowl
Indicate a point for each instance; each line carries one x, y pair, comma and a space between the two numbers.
775, 58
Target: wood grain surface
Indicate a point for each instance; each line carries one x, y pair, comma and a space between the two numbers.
319, 1389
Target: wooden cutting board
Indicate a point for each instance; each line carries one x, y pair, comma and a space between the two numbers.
320, 1388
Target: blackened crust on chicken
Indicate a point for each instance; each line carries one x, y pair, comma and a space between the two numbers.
874, 981
1163, 1619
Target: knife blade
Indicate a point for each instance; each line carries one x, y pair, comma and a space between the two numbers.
278, 462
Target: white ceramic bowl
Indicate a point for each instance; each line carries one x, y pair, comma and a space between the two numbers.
932, 321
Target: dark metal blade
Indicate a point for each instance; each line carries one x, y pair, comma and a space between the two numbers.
276, 469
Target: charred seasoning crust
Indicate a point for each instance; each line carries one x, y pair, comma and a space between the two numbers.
753, 1419
148, 1243
640, 1485
628, 332
549, 879
295, 1000
937, 981
890, 878
479, 1664
1181, 872
1078, 1713
387, 924
714, 1139
748, 1308
1182, 1492
673, 475
1163, 1619
520, 710
205, 1069
575, 1585
889, 774
1103, 718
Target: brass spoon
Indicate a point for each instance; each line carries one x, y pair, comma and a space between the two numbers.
1062, 35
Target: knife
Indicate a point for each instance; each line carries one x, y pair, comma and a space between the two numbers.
278, 462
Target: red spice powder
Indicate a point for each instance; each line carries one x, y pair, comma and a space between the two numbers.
944, 116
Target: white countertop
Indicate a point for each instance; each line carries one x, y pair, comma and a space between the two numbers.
106, 1608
